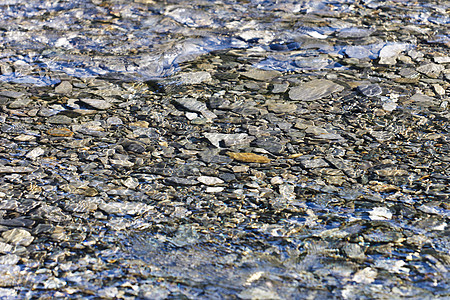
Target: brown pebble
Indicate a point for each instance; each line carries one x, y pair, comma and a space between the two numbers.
248, 157
63, 132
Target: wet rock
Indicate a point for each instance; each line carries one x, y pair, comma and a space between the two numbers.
18, 237
60, 132
11, 94
209, 180
365, 276
314, 163
441, 59
14, 170
197, 106
354, 251
65, 87
125, 208
185, 235
314, 90
180, 181
279, 88
422, 100
271, 144
390, 51
380, 213
354, 32
363, 52
5, 248
60, 119
9, 259
97, 103
17, 222
19, 103
174, 83
221, 140
370, 90
258, 293
431, 70
281, 107
248, 157
35, 153
261, 75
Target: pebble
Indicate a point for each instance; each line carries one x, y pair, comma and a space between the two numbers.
18, 237
431, 70
60, 132
261, 75
197, 106
314, 90
65, 87
20, 103
14, 170
380, 213
442, 59
35, 153
97, 103
314, 163
60, 120
228, 140
370, 90
209, 180
249, 157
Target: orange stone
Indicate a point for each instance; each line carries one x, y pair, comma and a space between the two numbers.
63, 132
248, 157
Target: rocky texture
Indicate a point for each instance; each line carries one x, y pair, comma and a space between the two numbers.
162, 150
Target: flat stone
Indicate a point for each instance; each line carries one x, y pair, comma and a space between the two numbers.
180, 181
65, 87
25, 138
228, 140
423, 100
261, 75
61, 132
60, 119
11, 94
380, 213
195, 105
35, 153
354, 32
5, 248
390, 172
131, 183
194, 77
18, 237
314, 90
281, 107
19, 103
271, 144
279, 88
442, 59
249, 157
314, 163
363, 52
390, 51
431, 70
97, 103
14, 170
370, 90
210, 180
17, 222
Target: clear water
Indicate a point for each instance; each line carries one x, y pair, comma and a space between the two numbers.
287, 259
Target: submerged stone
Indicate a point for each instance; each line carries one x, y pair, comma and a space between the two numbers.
314, 90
